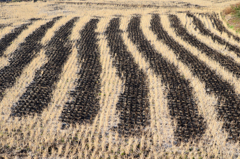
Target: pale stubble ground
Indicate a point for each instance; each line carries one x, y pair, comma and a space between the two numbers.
37, 137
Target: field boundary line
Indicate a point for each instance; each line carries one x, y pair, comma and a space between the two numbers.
126, 5
225, 61
199, 25
218, 14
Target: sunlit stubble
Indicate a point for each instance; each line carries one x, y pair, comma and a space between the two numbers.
205, 102
209, 42
67, 79
212, 64
110, 87
157, 98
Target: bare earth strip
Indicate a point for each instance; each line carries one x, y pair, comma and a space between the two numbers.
67, 80
84, 105
13, 94
213, 65
49, 118
21, 38
7, 39
214, 86
66, 83
110, 91
10, 28
50, 33
22, 57
61, 95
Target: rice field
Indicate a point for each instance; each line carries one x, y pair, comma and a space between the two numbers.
130, 79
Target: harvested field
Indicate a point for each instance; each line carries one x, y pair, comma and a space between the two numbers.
180, 99
85, 104
133, 103
6, 41
154, 79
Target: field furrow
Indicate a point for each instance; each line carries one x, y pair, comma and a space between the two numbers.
84, 105
133, 103
224, 61
228, 100
39, 93
8, 39
22, 57
180, 99
203, 30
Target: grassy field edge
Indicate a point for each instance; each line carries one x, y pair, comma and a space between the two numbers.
231, 17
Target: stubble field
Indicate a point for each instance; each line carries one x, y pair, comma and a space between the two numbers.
118, 80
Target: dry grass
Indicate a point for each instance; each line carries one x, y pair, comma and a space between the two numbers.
43, 134
212, 64
161, 125
231, 9
206, 103
210, 43
209, 25
231, 15
21, 38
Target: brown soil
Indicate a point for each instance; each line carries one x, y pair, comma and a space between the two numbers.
229, 15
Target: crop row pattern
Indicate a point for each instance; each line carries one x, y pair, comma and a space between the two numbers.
133, 103
39, 93
180, 99
22, 57
84, 105
227, 98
